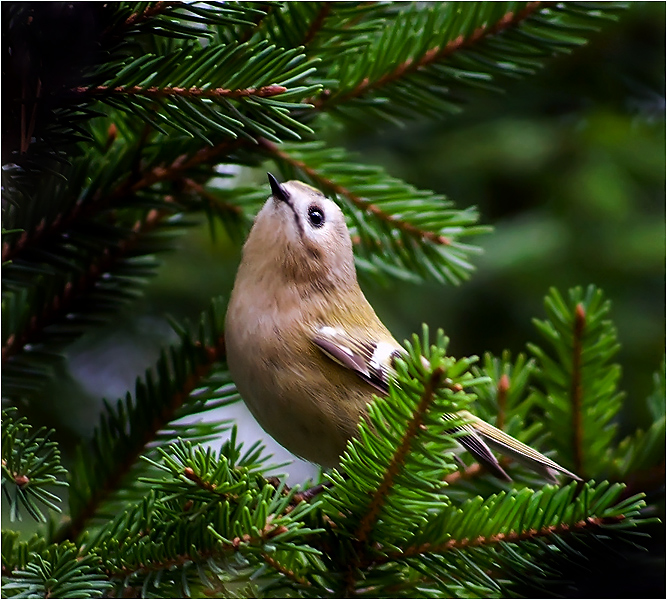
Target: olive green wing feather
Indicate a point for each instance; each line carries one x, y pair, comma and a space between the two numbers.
372, 361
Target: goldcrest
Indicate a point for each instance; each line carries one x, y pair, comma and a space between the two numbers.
306, 349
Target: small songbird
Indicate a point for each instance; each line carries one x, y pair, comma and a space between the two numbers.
306, 349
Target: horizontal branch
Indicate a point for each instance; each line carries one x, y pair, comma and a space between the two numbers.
266, 91
62, 304
100, 202
212, 200
512, 537
358, 201
268, 532
431, 56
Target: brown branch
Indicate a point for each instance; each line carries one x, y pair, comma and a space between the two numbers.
576, 389
502, 389
131, 185
379, 496
268, 532
473, 470
266, 91
358, 201
149, 13
72, 529
433, 55
317, 23
267, 8
213, 201
272, 562
511, 537
62, 303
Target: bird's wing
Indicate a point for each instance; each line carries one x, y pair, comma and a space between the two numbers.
369, 360
373, 362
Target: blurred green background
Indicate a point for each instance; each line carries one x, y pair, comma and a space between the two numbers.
568, 166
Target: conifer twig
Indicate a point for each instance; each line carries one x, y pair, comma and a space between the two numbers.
433, 55
317, 23
62, 303
282, 569
358, 201
379, 496
149, 12
72, 529
502, 389
266, 91
576, 391
133, 183
511, 537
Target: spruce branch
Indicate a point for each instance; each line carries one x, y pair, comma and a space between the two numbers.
73, 293
317, 22
515, 532
58, 572
364, 205
578, 385
396, 228
424, 59
513, 537
266, 91
176, 19
150, 12
186, 381
283, 570
398, 458
576, 390
434, 54
133, 183
30, 464
225, 504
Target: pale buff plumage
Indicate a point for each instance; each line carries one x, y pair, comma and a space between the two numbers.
306, 402
295, 284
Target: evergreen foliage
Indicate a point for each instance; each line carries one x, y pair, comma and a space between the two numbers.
124, 125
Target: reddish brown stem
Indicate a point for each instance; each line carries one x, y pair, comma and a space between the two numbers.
71, 530
511, 537
129, 186
149, 13
213, 202
435, 54
273, 563
192, 92
576, 390
358, 201
317, 23
379, 497
62, 304
502, 390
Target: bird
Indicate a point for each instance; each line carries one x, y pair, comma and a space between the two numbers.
306, 349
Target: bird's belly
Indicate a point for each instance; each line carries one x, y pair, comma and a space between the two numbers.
309, 405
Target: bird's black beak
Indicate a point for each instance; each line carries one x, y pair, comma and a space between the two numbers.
278, 190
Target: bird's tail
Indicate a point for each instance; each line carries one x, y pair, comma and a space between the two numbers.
482, 435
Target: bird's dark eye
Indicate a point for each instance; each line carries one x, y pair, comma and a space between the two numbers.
316, 216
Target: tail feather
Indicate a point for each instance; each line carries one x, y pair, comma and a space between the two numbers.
513, 448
